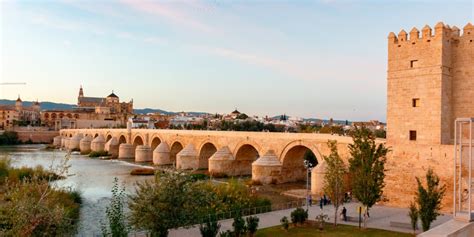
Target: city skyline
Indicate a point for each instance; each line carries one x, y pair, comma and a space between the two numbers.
309, 59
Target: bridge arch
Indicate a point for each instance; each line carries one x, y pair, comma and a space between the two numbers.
175, 148
245, 155
138, 140
205, 152
155, 141
255, 145
122, 139
292, 160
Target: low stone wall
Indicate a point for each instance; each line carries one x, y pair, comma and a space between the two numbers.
37, 136
452, 228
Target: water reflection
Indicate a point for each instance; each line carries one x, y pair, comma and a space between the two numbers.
92, 177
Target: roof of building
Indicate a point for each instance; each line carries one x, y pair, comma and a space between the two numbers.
7, 107
113, 95
97, 100
18, 100
235, 112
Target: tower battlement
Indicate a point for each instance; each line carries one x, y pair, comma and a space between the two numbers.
430, 78
441, 31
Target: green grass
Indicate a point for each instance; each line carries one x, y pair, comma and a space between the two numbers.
329, 231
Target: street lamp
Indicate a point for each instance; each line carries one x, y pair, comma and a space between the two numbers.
308, 167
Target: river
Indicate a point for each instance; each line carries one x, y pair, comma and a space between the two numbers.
92, 177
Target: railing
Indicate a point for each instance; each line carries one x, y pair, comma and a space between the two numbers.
249, 211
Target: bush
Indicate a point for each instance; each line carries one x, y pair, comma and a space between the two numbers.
209, 229
33, 208
95, 154
252, 225
197, 177
299, 215
239, 226
285, 224
117, 227
9, 138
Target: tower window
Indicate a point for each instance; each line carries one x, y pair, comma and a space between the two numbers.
415, 102
412, 135
413, 63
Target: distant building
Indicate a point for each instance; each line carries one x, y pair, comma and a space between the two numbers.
12, 115
91, 112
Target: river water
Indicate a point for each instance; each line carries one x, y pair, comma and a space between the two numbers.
92, 177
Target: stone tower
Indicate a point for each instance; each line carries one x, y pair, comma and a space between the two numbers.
430, 83
19, 104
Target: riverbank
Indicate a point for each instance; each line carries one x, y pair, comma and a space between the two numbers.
93, 178
30, 205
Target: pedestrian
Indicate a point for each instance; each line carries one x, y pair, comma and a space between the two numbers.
310, 200
368, 215
344, 213
321, 203
325, 200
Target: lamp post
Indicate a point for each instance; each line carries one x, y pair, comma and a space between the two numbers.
308, 167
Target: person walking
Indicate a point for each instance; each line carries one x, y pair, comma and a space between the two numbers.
321, 203
344, 213
310, 200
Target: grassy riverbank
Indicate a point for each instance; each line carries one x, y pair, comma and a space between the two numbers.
31, 206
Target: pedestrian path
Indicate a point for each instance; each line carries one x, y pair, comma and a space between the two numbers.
380, 218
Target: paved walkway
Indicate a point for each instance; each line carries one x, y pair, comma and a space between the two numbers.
380, 217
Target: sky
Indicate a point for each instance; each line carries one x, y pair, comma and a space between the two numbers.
320, 59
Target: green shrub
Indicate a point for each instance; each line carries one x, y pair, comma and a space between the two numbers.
95, 154
209, 229
117, 226
299, 215
239, 226
197, 177
252, 225
9, 138
285, 224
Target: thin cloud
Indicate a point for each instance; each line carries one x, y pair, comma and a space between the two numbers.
259, 60
173, 15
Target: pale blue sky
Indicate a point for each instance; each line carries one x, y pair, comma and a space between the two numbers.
305, 58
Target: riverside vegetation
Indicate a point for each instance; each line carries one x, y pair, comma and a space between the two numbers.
31, 206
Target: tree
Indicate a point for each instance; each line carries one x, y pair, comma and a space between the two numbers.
115, 213
413, 214
171, 200
429, 199
334, 185
367, 168
209, 229
252, 224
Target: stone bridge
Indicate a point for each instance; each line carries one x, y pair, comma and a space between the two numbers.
267, 157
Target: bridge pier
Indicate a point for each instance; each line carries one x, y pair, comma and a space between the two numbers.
126, 151
143, 154
161, 154
85, 145
98, 144
317, 178
187, 158
221, 163
65, 142
74, 142
112, 147
57, 141
267, 169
